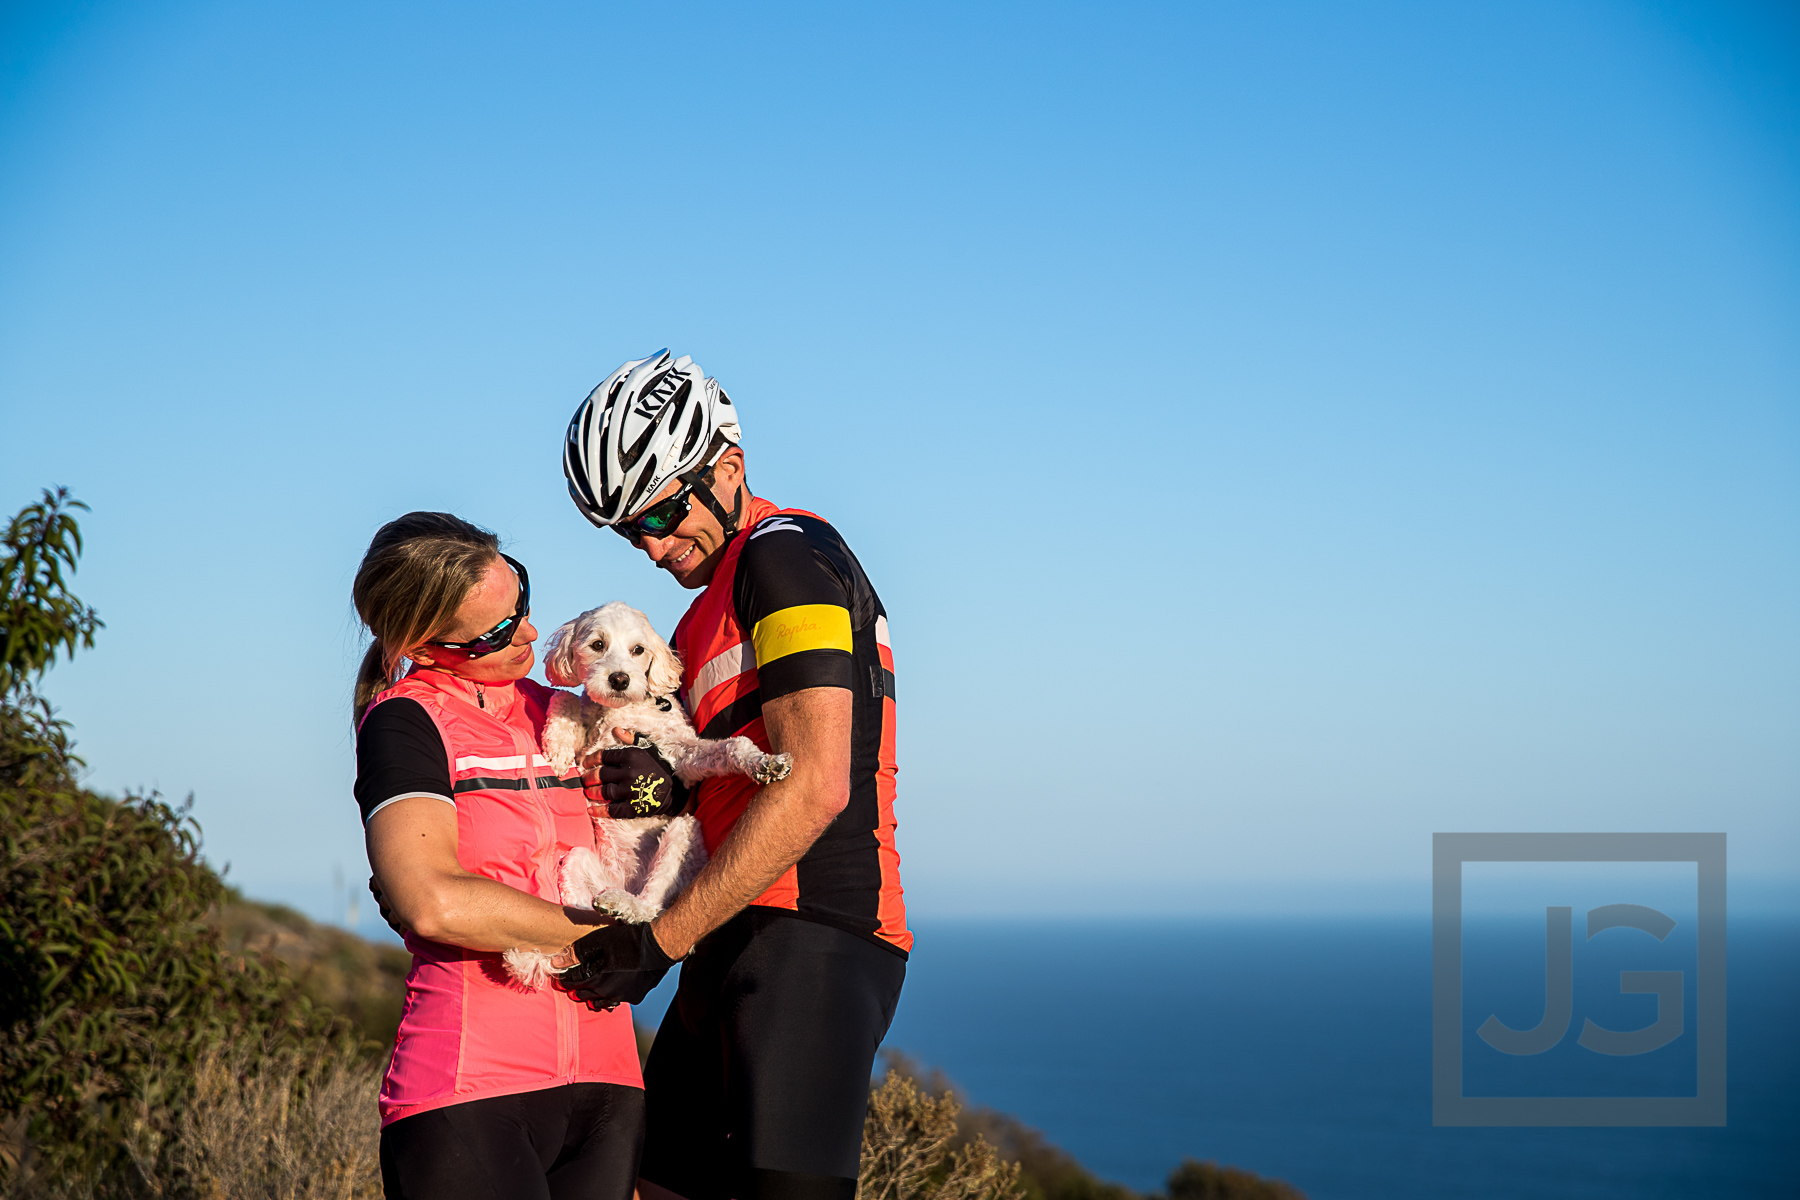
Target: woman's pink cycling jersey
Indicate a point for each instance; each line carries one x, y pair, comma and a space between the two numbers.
468, 1031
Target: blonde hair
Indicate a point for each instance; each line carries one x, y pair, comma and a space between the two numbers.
418, 571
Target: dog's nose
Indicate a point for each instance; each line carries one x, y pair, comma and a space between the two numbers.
619, 680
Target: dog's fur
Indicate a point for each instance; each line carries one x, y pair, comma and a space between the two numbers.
630, 677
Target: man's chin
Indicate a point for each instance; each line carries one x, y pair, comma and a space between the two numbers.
695, 578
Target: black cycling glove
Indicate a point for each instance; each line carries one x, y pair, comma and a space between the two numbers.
636, 781
616, 964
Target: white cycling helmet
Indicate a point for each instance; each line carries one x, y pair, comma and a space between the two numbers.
652, 420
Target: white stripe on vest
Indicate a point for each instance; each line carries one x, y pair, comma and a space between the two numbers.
470, 762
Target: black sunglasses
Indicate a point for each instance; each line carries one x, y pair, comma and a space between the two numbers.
660, 520
501, 635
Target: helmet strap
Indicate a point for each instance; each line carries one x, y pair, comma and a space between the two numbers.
727, 520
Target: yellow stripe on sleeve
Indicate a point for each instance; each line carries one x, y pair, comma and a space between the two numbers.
802, 627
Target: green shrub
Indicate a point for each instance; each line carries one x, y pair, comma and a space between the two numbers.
39, 618
112, 984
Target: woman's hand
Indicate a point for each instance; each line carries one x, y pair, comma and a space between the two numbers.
381, 906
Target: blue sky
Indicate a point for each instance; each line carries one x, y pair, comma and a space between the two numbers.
1278, 432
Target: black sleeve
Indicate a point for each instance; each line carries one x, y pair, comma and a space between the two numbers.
399, 753
793, 596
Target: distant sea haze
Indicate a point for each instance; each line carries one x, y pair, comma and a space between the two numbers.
1300, 1048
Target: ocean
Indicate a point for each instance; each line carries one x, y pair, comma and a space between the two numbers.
1301, 1049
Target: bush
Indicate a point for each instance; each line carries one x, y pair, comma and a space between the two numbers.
1194, 1180
362, 981
113, 988
910, 1151
1047, 1172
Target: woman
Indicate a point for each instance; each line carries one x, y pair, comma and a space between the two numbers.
493, 1090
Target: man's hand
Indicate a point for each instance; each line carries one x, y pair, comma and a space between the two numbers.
616, 964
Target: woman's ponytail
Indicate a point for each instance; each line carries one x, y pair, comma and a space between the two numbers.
372, 679
418, 571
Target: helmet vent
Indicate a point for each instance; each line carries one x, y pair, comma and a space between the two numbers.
645, 481
695, 428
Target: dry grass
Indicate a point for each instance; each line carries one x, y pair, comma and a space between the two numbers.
281, 1130
908, 1150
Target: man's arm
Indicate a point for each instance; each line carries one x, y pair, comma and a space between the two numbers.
780, 824
412, 849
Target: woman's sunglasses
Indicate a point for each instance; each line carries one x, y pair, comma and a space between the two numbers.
501, 635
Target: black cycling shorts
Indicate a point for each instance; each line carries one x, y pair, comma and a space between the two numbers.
577, 1141
758, 1081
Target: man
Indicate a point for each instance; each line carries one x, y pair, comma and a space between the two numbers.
793, 939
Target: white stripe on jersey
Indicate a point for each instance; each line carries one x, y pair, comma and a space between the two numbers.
728, 665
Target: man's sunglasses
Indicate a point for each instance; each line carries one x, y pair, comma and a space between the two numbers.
661, 519
501, 635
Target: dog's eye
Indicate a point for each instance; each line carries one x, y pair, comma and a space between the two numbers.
636, 650
597, 644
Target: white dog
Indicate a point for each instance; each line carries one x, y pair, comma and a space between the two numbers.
631, 679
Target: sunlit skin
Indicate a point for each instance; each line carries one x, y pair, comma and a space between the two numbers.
785, 818
412, 843
493, 600
692, 551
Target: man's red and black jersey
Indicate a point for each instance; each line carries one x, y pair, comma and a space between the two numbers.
789, 608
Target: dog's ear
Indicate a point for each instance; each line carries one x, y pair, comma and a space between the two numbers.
664, 676
559, 655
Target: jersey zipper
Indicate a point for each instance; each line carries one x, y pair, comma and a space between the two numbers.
567, 1036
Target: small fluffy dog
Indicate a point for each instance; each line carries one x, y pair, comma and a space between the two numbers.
630, 678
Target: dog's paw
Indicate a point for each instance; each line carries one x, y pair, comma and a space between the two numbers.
627, 906
532, 968
580, 878
773, 767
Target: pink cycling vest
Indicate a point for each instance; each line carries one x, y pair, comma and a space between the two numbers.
467, 1030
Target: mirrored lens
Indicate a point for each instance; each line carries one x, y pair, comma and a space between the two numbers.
499, 638
663, 517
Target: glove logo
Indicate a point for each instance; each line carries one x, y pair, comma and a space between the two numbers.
643, 794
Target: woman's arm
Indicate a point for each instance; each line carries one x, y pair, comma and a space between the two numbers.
412, 850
